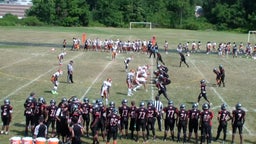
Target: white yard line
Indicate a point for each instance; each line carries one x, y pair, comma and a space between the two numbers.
32, 81
220, 97
16, 62
95, 80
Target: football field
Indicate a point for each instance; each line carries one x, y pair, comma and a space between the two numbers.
28, 61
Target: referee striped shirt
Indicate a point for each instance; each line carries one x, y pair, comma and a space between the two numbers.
158, 105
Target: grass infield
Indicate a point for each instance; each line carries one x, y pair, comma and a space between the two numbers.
27, 63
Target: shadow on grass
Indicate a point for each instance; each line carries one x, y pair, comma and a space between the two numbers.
121, 93
48, 91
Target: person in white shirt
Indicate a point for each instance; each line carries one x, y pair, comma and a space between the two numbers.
105, 89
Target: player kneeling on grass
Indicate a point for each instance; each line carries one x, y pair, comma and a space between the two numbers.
54, 80
6, 114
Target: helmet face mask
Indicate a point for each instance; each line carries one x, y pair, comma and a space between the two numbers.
205, 106
86, 100
194, 106
223, 107
170, 103
142, 104
52, 102
182, 106
238, 106
7, 101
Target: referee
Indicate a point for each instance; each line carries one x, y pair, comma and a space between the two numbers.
159, 106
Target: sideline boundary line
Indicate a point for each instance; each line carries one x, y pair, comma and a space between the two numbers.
27, 84
220, 97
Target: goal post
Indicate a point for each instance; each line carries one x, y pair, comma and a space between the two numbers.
141, 23
251, 36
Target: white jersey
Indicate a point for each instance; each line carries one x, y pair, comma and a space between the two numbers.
106, 85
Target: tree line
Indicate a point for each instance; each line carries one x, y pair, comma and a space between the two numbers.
235, 15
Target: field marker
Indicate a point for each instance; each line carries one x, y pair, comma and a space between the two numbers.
96, 79
220, 97
27, 84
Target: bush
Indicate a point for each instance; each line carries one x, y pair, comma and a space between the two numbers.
31, 21
9, 20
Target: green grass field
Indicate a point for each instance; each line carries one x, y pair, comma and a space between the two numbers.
27, 64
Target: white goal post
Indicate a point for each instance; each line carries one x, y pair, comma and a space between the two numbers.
145, 23
251, 34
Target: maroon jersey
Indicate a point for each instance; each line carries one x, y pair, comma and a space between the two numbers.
183, 115
152, 112
113, 120
52, 109
238, 116
171, 112
203, 88
224, 116
124, 112
86, 108
206, 117
141, 113
193, 115
29, 109
133, 111
6, 110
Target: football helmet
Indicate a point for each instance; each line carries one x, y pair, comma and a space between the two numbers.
112, 104
170, 103
220, 66
86, 100
224, 106
182, 106
195, 106
202, 81
238, 106
124, 101
115, 111
150, 103
7, 101
142, 104
52, 102
64, 100
41, 100
205, 106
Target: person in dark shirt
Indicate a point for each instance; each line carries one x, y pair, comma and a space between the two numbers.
124, 114
159, 58
206, 123
222, 75
238, 119
170, 116
223, 117
141, 120
6, 115
193, 118
182, 59
182, 121
76, 131
203, 91
113, 124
